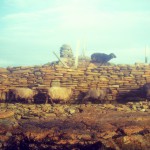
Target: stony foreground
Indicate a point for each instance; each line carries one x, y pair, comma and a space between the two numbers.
90, 126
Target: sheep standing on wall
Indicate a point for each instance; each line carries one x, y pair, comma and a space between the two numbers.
102, 58
25, 94
61, 94
96, 94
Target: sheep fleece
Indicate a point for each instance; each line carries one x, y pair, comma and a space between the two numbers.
96, 93
25, 93
60, 93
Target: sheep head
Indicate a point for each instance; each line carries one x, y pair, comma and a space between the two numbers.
112, 55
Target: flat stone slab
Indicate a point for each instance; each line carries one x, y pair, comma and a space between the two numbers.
6, 114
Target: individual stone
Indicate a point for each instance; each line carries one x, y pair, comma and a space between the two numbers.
28, 117
6, 114
145, 106
132, 130
134, 107
71, 110
8, 134
50, 115
143, 110
18, 117
55, 83
109, 106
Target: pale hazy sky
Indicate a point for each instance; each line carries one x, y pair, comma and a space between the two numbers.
30, 30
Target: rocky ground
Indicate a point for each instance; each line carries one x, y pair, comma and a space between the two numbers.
82, 126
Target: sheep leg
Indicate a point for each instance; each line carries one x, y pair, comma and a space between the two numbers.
65, 102
7, 97
16, 98
10, 97
101, 99
51, 101
85, 98
46, 100
31, 101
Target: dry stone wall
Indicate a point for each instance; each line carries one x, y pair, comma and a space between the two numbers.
120, 79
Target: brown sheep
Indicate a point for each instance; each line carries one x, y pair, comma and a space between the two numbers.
22, 93
96, 94
61, 94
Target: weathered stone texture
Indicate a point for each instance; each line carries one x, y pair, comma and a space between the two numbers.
43, 126
119, 78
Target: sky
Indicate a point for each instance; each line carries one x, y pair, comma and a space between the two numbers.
30, 30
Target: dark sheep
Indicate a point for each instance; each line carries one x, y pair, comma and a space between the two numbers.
146, 91
102, 58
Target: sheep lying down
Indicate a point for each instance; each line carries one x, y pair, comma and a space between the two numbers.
96, 94
61, 94
26, 94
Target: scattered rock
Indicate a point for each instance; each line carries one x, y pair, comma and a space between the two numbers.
6, 114
71, 110
75, 124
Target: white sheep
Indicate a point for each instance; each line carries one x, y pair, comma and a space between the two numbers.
23, 93
61, 94
96, 94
